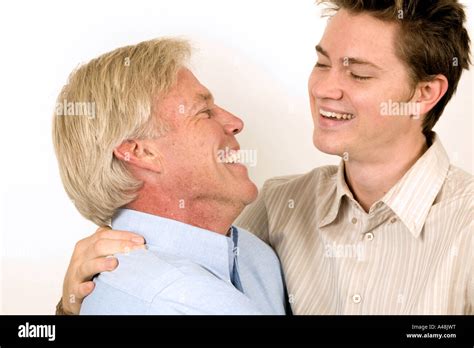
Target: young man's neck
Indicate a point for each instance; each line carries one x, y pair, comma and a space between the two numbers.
207, 214
369, 179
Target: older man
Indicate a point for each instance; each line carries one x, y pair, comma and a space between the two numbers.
389, 230
152, 161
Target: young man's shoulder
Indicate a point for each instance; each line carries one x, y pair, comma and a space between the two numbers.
458, 183
456, 196
319, 175
458, 187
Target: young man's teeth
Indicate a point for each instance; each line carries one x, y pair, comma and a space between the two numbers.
336, 115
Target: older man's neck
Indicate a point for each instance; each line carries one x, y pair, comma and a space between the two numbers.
370, 178
208, 214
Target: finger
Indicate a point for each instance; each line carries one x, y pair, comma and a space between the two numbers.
107, 233
84, 243
106, 247
95, 266
84, 289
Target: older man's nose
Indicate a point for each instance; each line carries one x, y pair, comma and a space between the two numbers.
232, 124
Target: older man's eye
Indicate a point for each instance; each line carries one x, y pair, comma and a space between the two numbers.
207, 112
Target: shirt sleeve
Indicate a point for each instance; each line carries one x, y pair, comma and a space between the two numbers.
254, 218
470, 300
202, 296
192, 295
470, 282
59, 308
108, 300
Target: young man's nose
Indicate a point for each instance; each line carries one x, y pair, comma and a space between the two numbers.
326, 85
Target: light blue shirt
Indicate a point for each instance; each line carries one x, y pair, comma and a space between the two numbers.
188, 270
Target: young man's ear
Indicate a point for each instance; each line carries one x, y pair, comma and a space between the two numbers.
430, 92
141, 154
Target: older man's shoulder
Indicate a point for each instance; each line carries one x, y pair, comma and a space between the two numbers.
145, 273
146, 282
251, 245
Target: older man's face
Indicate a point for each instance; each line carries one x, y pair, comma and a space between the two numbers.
192, 150
357, 71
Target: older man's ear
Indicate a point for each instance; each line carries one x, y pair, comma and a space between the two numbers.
141, 154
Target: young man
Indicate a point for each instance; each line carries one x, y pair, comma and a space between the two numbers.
389, 230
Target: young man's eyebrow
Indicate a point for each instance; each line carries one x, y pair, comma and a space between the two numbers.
352, 61
322, 51
348, 60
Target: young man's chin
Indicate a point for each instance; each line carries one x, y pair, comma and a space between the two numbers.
328, 147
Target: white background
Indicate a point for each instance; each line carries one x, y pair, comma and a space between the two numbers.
254, 55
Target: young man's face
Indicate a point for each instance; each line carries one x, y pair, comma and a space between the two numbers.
357, 71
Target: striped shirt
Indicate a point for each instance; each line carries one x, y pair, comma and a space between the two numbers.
411, 254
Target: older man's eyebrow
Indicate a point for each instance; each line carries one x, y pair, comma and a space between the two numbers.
200, 99
349, 60
203, 97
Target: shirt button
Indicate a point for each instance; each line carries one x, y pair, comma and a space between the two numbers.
356, 298
354, 220
393, 220
369, 236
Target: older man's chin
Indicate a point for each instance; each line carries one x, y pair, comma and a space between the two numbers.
250, 193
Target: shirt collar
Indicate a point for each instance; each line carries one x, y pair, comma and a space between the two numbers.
424, 179
213, 251
341, 190
412, 197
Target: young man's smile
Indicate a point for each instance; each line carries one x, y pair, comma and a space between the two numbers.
357, 70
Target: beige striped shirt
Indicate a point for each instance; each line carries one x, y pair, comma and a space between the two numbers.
411, 254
